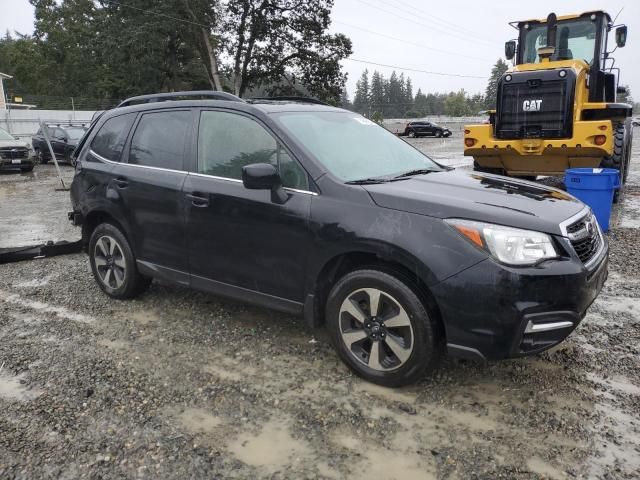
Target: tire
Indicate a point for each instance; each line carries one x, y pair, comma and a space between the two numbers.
40, 157
439, 134
411, 134
27, 169
357, 335
619, 159
109, 250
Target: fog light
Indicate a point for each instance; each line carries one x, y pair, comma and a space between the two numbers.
469, 142
600, 140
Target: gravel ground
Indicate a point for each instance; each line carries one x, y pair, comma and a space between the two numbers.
180, 384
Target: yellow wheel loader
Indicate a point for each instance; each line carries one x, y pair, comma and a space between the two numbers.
556, 107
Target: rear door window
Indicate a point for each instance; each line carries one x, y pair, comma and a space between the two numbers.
160, 139
110, 139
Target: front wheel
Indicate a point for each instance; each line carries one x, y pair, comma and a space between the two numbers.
411, 134
113, 264
439, 134
381, 329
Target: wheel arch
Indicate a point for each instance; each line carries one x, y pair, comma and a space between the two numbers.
98, 216
339, 265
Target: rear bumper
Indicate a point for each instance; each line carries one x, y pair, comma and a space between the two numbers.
537, 155
493, 312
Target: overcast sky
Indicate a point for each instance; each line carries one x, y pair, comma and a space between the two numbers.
472, 31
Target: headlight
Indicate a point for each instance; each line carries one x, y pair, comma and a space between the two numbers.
512, 246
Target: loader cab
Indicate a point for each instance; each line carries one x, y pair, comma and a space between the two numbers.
577, 37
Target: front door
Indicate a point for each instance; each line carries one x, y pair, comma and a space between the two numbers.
237, 237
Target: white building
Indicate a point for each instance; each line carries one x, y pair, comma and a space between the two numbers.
3, 76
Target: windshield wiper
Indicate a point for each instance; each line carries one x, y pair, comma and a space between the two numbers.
367, 181
419, 171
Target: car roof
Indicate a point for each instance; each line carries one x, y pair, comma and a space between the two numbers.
258, 106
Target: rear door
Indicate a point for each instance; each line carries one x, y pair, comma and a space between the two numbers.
239, 237
150, 187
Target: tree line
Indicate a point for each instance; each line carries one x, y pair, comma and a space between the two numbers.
380, 97
393, 97
115, 49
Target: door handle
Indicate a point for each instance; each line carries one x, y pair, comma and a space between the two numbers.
121, 182
198, 199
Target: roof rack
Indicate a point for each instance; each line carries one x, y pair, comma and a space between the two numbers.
163, 97
288, 99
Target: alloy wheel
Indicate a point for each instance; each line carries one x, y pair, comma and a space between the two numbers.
376, 329
109, 261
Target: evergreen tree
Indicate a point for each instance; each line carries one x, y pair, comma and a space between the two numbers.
492, 87
378, 92
361, 98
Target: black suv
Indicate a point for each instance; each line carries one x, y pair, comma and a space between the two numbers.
64, 140
422, 128
317, 211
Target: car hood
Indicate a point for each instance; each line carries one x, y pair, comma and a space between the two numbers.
481, 197
14, 143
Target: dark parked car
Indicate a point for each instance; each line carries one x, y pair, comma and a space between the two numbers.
319, 212
422, 128
15, 154
63, 138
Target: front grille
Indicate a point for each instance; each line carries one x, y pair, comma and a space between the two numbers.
535, 105
13, 153
585, 237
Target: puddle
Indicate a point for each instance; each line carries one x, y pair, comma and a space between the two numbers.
230, 373
405, 394
539, 466
36, 282
619, 304
198, 420
11, 388
43, 307
375, 461
618, 382
114, 344
144, 317
272, 449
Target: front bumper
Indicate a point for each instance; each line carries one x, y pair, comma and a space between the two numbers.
6, 163
491, 311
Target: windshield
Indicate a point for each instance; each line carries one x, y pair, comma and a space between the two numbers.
5, 136
575, 39
352, 147
75, 133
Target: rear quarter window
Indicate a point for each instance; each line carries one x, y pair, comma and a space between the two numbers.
110, 139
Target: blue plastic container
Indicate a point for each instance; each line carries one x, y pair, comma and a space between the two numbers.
595, 187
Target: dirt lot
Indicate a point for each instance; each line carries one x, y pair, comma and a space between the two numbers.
180, 384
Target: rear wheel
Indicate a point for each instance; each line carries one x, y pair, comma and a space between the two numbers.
27, 169
113, 264
411, 134
619, 159
381, 329
439, 134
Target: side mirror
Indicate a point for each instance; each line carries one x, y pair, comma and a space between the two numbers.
264, 176
621, 36
510, 49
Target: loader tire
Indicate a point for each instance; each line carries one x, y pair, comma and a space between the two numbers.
619, 159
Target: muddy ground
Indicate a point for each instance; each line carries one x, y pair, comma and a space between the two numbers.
180, 384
